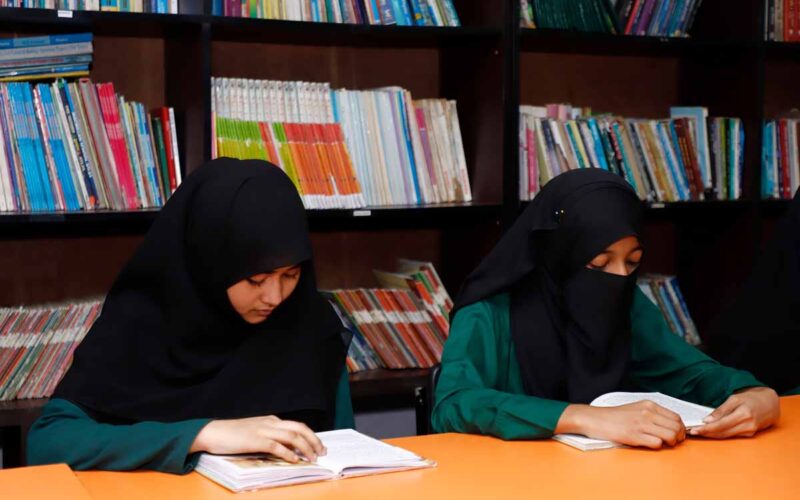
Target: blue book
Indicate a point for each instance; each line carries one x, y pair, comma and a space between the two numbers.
677, 176
399, 12
216, 8
677, 13
731, 147
57, 148
152, 170
46, 176
315, 11
655, 21
24, 147
676, 147
768, 161
409, 146
599, 151
387, 13
43, 70
40, 41
574, 141
416, 13
376, 9
671, 309
666, 11
625, 157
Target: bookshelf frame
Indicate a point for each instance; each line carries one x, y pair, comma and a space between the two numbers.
485, 65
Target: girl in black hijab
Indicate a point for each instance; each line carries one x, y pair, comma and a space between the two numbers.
761, 331
552, 318
213, 338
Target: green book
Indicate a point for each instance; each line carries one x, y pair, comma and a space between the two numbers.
158, 132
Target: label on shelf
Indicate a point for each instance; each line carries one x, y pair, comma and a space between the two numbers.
362, 213
67, 14
657, 205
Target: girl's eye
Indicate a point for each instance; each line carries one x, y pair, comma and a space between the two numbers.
254, 282
291, 276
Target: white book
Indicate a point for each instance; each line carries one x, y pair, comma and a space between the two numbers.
350, 454
691, 414
458, 152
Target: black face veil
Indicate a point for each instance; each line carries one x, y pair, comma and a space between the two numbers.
570, 324
169, 346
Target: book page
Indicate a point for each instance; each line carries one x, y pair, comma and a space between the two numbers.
348, 448
691, 414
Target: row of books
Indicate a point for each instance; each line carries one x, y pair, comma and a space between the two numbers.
81, 146
149, 6
664, 18
345, 148
49, 56
686, 157
385, 12
780, 173
782, 20
36, 346
403, 325
666, 294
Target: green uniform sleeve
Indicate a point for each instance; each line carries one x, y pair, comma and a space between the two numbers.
479, 388
343, 416
66, 434
664, 362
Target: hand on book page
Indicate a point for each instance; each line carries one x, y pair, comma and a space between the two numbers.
287, 440
742, 414
643, 423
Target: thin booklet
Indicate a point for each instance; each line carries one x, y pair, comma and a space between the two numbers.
350, 454
691, 414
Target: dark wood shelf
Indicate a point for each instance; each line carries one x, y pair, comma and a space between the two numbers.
310, 33
14, 225
130, 24
577, 42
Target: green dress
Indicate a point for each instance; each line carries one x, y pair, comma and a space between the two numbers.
480, 385
66, 434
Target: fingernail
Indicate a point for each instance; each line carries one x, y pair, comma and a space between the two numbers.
693, 432
709, 419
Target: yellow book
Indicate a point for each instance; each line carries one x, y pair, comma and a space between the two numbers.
45, 76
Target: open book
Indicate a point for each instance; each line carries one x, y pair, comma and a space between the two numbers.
350, 453
691, 414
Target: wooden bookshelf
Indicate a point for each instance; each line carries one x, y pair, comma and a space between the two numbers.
490, 66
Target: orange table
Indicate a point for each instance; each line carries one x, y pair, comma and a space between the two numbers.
767, 466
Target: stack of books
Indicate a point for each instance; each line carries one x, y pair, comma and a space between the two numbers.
780, 171
149, 6
782, 20
685, 157
665, 293
36, 346
343, 148
385, 12
663, 18
401, 326
48, 56
81, 146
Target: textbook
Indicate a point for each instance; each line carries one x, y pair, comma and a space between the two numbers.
350, 454
691, 414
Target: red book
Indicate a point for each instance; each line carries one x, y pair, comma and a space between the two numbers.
116, 139
165, 121
634, 14
784, 153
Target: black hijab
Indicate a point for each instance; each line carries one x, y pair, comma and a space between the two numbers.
169, 346
760, 332
570, 325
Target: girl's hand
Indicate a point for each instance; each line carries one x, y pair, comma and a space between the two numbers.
638, 424
283, 438
742, 415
